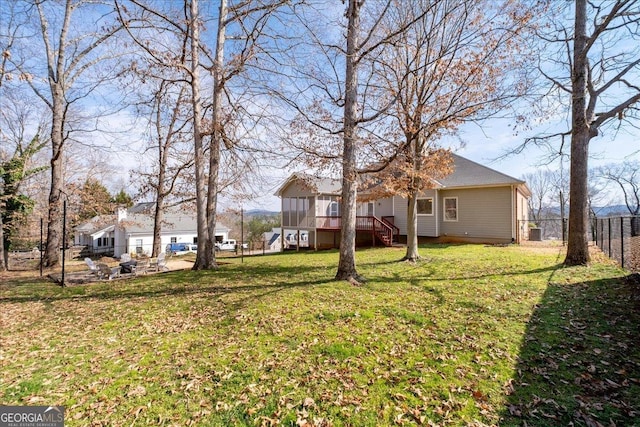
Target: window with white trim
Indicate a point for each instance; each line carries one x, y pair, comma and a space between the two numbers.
450, 209
425, 206
334, 209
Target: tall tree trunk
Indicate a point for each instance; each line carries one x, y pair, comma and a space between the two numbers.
578, 245
4, 255
216, 137
347, 261
157, 226
54, 222
199, 157
416, 147
412, 228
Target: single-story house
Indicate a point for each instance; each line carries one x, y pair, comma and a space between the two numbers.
97, 234
131, 230
273, 239
472, 204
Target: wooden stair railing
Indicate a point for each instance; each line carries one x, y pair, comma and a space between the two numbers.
383, 231
389, 221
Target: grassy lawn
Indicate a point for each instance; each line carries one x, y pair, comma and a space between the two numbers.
471, 335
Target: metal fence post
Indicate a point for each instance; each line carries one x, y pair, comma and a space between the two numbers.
609, 236
601, 234
622, 242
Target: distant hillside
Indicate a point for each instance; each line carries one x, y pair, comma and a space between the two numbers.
602, 211
611, 210
260, 212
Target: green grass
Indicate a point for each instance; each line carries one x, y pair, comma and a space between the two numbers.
470, 335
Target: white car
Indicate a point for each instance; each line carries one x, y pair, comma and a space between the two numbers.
226, 245
229, 245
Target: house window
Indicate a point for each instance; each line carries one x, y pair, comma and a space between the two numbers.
174, 240
450, 208
425, 206
334, 209
138, 246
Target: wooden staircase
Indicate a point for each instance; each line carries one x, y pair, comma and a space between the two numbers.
382, 230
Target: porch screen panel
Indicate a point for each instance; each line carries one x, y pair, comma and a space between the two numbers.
293, 220
286, 206
303, 211
311, 212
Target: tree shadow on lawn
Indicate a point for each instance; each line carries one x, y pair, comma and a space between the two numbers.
579, 363
428, 273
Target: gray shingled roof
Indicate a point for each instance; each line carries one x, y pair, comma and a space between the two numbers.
467, 173
95, 224
174, 220
140, 220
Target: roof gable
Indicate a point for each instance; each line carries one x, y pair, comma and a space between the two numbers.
318, 184
467, 173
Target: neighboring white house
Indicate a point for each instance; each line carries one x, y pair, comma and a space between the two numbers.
292, 239
472, 204
131, 230
273, 239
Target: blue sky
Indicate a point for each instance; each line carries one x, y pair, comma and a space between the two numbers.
483, 145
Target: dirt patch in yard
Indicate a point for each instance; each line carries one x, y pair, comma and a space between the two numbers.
77, 273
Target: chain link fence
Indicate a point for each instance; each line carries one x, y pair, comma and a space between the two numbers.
619, 238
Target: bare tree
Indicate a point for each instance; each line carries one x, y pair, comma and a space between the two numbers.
217, 119
598, 65
169, 136
625, 176
72, 53
249, 21
541, 185
458, 62
336, 104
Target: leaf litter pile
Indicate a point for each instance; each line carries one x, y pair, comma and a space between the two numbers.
469, 335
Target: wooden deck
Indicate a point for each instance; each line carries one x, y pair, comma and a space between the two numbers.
382, 229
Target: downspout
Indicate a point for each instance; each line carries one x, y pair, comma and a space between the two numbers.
436, 196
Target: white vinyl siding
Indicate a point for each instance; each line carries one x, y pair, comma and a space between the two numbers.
384, 207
